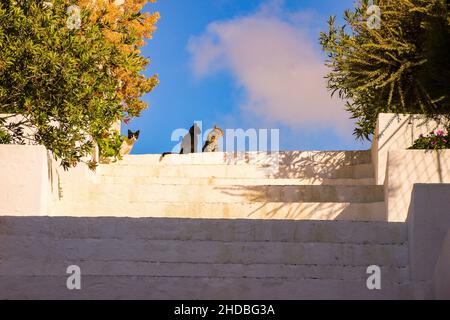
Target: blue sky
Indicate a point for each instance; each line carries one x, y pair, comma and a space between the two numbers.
243, 64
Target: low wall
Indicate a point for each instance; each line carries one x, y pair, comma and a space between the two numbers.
428, 225
31, 180
442, 273
396, 133
408, 167
24, 180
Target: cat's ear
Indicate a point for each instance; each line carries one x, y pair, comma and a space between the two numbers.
137, 133
130, 134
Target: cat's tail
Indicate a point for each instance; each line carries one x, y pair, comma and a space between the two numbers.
164, 154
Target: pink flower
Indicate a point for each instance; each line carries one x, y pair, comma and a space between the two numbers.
440, 133
433, 143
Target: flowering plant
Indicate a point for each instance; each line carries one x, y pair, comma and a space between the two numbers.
435, 140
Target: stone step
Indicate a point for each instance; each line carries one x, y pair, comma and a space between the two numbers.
206, 229
154, 258
283, 158
267, 210
118, 193
236, 171
138, 180
195, 251
200, 288
40, 267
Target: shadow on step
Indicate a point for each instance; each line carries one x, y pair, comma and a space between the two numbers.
314, 165
311, 202
320, 198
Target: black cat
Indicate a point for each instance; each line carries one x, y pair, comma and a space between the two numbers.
189, 143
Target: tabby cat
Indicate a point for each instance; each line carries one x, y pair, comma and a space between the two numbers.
212, 141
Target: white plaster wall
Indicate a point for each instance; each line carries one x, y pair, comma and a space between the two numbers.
396, 133
442, 274
31, 181
60, 180
408, 167
428, 225
24, 181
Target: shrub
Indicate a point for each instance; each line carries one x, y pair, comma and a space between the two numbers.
71, 77
401, 66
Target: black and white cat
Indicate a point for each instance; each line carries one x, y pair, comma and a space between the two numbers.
129, 142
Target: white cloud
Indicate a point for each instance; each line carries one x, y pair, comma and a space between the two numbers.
272, 57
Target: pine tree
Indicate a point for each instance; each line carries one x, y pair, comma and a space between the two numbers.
401, 67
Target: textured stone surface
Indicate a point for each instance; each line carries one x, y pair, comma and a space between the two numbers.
206, 251
235, 171
24, 181
151, 258
241, 210
409, 167
35, 267
141, 287
428, 224
212, 181
194, 193
285, 159
206, 229
441, 279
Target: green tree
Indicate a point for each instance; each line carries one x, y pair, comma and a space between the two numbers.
401, 67
68, 79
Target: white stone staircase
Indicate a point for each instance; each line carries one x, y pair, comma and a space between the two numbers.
303, 185
215, 226
160, 258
